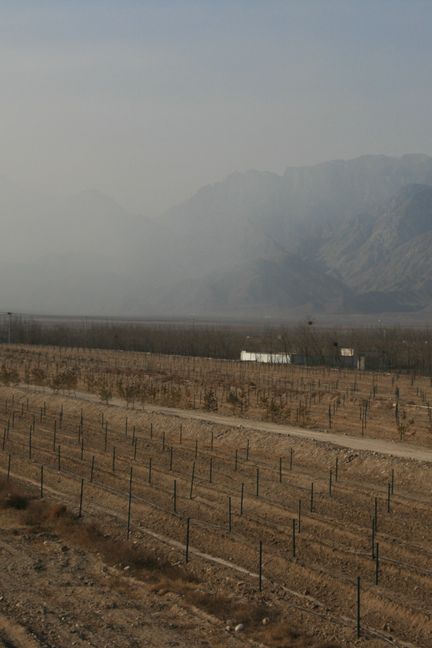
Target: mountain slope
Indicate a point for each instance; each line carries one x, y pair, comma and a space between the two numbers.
259, 287
394, 254
257, 214
340, 236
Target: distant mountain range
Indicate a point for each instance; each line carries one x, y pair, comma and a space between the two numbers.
341, 237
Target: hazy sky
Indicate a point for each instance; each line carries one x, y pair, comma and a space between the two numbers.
148, 100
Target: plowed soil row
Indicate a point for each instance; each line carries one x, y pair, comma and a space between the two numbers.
211, 465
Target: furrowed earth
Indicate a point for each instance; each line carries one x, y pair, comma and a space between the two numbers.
99, 496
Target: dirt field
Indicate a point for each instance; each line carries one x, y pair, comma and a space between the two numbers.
101, 580
394, 407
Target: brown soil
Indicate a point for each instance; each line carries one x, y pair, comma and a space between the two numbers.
64, 579
386, 406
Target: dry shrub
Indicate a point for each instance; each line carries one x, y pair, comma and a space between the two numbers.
283, 635
275, 633
122, 585
57, 511
217, 605
10, 498
249, 613
41, 514
16, 501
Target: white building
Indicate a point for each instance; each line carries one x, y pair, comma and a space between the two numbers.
272, 358
347, 352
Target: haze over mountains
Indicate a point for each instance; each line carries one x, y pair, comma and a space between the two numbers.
339, 237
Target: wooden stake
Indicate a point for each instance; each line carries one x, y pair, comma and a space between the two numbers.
260, 566
81, 498
377, 563
187, 540
376, 513
150, 470
358, 629
129, 504
293, 538
192, 480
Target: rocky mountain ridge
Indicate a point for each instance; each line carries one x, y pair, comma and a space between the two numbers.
339, 237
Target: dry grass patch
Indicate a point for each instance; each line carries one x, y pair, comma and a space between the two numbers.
11, 498
282, 634
55, 517
261, 621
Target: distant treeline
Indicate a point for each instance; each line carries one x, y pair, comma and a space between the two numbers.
396, 348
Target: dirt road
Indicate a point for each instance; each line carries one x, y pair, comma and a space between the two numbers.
389, 448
